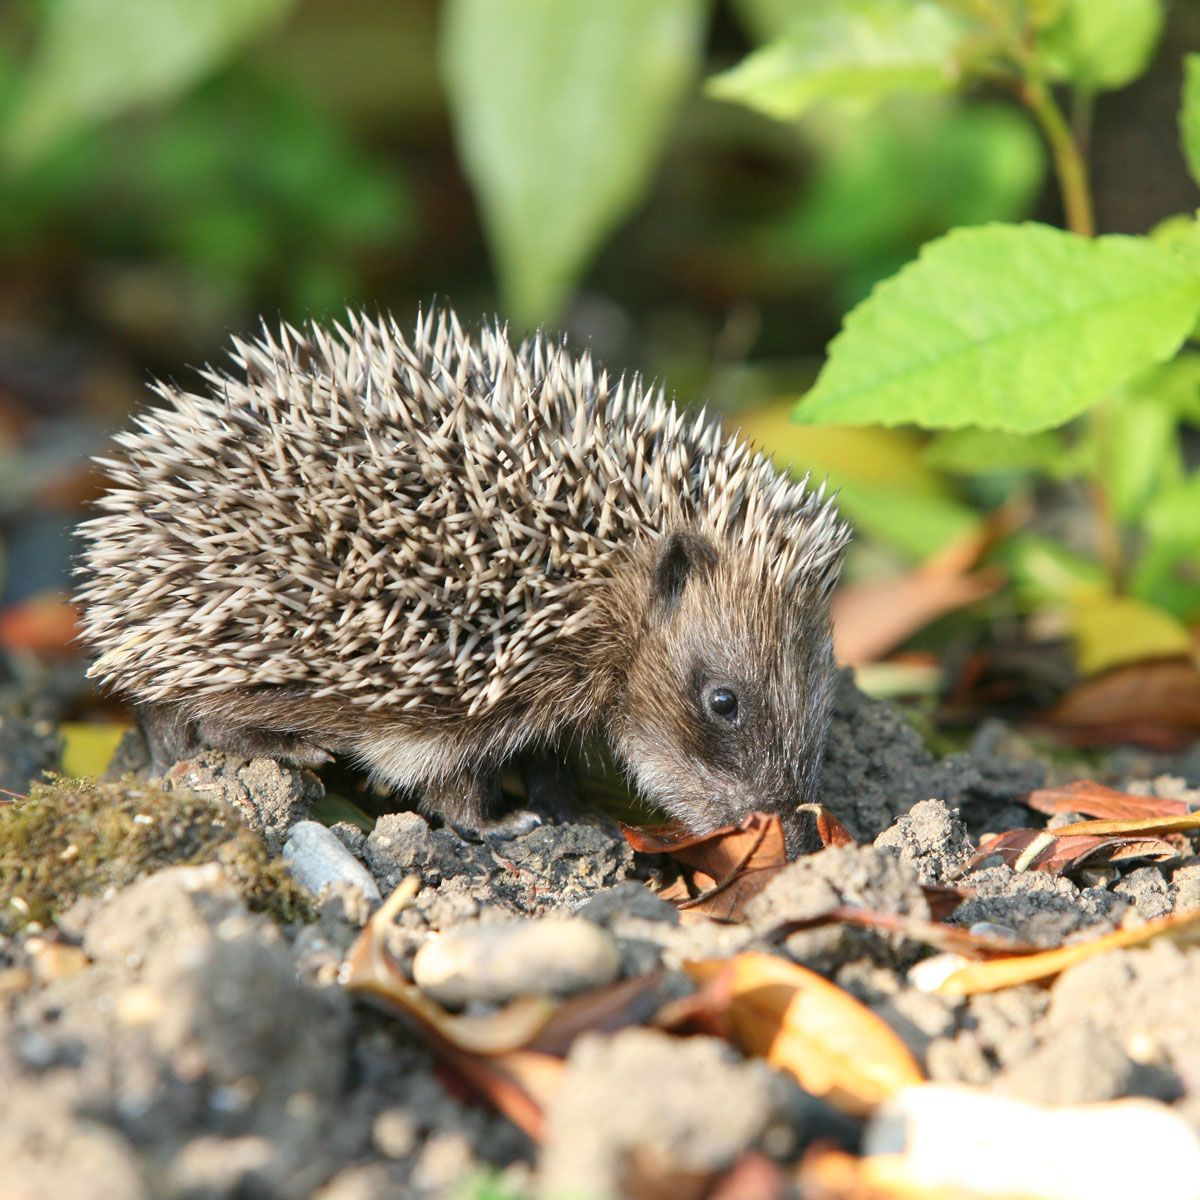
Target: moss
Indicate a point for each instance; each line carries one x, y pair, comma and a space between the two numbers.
74, 838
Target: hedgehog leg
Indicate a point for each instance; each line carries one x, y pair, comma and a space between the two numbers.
551, 788
467, 799
171, 736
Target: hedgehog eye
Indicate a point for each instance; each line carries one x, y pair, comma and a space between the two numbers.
723, 703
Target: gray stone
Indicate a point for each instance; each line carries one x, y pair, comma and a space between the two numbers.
495, 963
317, 858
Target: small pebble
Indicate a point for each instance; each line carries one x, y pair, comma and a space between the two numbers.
316, 859
495, 963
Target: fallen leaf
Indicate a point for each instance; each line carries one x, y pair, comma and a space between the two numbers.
487, 1051
1152, 704
753, 1177
44, 624
1111, 631
88, 748
873, 617
834, 1046
943, 898
631, 1002
1132, 826
1096, 800
828, 829
725, 869
953, 938
1010, 972
1047, 850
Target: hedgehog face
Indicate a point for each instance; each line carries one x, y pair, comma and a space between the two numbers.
728, 693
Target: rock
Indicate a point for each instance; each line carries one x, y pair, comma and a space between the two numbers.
403, 844
958, 1140
861, 876
270, 796
317, 858
689, 1106
931, 838
494, 963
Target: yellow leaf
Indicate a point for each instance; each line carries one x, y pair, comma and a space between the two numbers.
849, 454
834, 1046
1132, 826
1110, 630
1028, 968
88, 748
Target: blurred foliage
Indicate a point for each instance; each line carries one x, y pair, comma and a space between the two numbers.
702, 188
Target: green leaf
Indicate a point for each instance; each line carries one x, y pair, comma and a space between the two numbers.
918, 167
98, 58
1101, 45
1014, 327
1043, 571
1189, 114
987, 451
1169, 572
847, 49
560, 111
882, 484
913, 524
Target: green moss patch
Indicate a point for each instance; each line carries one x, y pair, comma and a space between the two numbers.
74, 838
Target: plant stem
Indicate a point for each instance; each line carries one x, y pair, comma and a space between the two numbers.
1069, 164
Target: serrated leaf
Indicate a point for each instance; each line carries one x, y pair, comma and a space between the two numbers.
1189, 114
560, 111
847, 49
1012, 327
96, 59
1101, 45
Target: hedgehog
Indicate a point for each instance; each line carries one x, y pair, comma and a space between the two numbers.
447, 554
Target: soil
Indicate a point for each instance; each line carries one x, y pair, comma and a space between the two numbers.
173, 1024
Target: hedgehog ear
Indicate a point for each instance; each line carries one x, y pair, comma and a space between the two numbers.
680, 557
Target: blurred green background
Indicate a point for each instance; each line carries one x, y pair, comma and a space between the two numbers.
171, 170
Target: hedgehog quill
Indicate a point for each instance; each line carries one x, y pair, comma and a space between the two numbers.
443, 553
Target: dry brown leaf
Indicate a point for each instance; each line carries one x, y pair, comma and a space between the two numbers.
1154, 704
372, 972
799, 1021
753, 1177
1131, 826
724, 869
871, 618
1010, 972
486, 1052
630, 1002
951, 938
828, 829
519, 1083
44, 624
943, 898
1096, 800
1046, 850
